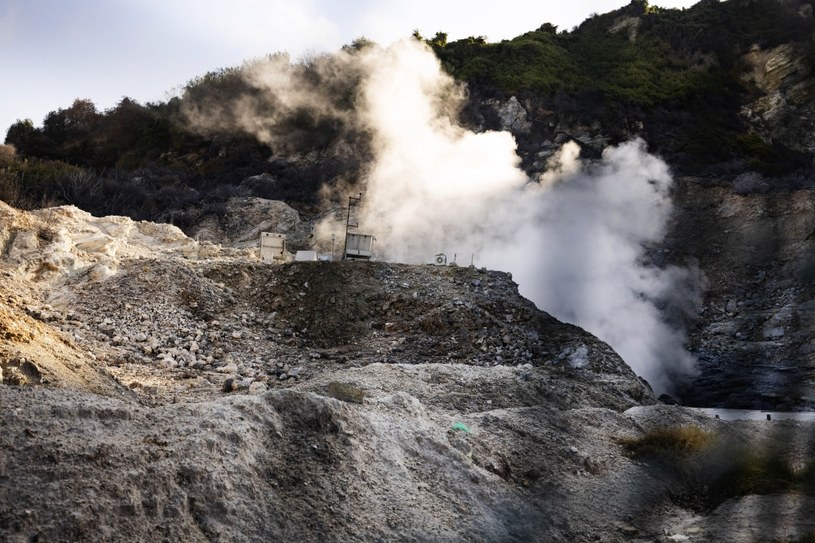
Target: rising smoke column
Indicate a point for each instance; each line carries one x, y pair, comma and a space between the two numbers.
574, 239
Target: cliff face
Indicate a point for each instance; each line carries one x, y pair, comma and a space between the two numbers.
784, 90
753, 335
753, 240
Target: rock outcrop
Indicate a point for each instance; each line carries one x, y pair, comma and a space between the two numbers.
512, 115
245, 218
783, 110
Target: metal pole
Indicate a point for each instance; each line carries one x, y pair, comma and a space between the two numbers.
347, 226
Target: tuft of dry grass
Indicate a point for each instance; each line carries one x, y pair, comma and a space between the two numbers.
670, 443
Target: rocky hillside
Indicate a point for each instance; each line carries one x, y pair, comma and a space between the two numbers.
745, 218
155, 387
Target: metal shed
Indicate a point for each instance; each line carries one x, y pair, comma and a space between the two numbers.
359, 246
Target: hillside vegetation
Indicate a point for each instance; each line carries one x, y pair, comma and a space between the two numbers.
674, 77
655, 58
680, 68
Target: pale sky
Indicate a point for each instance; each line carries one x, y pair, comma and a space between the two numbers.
53, 51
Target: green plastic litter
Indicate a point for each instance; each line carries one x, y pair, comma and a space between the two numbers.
461, 426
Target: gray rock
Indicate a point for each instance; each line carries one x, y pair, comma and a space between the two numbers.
774, 332
257, 387
513, 116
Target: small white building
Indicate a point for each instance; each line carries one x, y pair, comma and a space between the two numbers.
272, 247
305, 256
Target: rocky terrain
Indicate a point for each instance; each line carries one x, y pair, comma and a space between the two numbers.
160, 384
161, 388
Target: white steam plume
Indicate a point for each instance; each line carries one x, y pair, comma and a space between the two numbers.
574, 241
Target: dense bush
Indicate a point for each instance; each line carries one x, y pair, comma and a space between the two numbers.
127, 135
